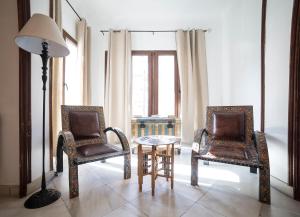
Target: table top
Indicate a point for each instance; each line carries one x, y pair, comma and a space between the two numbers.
156, 140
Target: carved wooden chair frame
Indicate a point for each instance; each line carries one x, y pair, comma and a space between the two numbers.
256, 148
67, 143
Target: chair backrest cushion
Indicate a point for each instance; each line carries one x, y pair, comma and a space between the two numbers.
229, 123
229, 126
84, 124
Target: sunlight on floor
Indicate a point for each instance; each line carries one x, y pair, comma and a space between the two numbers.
208, 173
181, 170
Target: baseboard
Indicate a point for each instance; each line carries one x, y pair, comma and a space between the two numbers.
36, 184
281, 186
9, 190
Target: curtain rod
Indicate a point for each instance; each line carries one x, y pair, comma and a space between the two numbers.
153, 31
73, 10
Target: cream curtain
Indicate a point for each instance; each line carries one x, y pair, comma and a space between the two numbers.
117, 103
57, 80
83, 40
191, 56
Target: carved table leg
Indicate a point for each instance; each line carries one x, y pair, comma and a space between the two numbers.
140, 167
172, 166
153, 169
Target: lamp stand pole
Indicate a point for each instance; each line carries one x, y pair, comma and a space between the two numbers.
45, 196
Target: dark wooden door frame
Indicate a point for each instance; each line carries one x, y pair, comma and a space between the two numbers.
294, 103
294, 92
262, 57
24, 103
51, 144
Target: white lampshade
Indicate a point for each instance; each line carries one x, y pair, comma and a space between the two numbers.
41, 28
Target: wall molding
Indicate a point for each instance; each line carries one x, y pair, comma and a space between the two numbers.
9, 190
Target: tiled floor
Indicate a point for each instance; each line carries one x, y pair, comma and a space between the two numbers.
224, 190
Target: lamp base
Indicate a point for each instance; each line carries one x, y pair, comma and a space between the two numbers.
42, 198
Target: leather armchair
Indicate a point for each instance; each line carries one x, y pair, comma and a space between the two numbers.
229, 138
83, 138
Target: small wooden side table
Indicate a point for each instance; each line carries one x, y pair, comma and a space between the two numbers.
158, 154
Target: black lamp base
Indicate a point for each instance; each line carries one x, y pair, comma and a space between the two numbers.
42, 198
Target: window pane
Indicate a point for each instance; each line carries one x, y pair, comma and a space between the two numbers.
166, 93
140, 85
72, 85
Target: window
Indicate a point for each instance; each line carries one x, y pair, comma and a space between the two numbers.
155, 83
71, 75
140, 86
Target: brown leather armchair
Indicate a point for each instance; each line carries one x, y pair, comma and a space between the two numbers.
83, 138
230, 138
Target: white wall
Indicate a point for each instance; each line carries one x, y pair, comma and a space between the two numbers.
69, 24
9, 94
241, 56
158, 41
233, 42
69, 19
278, 30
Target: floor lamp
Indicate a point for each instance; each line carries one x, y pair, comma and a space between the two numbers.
41, 36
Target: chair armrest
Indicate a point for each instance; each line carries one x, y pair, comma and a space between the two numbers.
69, 143
198, 139
121, 136
262, 148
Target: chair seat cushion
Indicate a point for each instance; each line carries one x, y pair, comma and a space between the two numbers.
95, 149
228, 151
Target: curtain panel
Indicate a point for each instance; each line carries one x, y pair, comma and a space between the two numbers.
83, 41
57, 80
191, 54
117, 102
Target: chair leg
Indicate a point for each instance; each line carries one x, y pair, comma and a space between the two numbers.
253, 170
194, 172
264, 185
59, 155
127, 166
73, 179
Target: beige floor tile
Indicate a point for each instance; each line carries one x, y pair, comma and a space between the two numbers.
193, 193
129, 189
99, 200
109, 172
282, 201
165, 203
230, 204
200, 211
272, 211
223, 190
127, 210
13, 207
